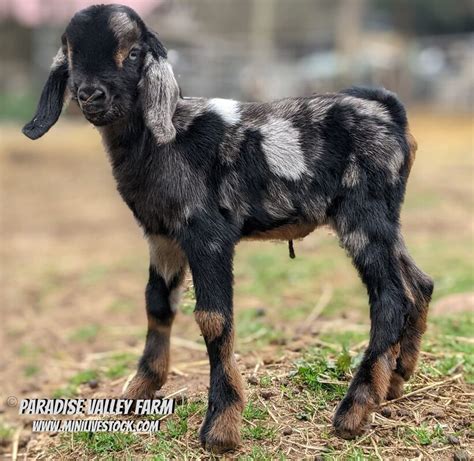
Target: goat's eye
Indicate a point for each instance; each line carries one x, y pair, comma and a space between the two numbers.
133, 55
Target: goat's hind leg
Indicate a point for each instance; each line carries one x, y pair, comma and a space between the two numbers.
166, 277
371, 243
418, 287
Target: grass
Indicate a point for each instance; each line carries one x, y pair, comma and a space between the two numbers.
306, 395
85, 333
6, 433
72, 387
103, 443
274, 295
120, 365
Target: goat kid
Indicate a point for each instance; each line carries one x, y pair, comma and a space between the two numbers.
201, 174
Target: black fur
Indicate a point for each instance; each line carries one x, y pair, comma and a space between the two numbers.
50, 104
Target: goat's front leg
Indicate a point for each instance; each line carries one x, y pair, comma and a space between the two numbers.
212, 275
166, 276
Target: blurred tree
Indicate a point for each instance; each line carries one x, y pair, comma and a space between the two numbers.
428, 17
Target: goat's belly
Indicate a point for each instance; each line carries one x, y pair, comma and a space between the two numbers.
285, 232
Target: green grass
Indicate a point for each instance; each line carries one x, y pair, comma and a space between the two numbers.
94, 274
85, 333
122, 305
72, 388
31, 370
254, 411
6, 433
425, 435
157, 446
256, 425
451, 336
254, 329
103, 443
120, 365
188, 303
259, 432
320, 373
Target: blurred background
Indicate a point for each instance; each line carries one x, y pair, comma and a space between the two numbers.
73, 262
260, 49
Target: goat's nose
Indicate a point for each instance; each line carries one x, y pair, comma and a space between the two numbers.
89, 94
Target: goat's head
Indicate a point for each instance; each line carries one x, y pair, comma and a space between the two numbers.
111, 64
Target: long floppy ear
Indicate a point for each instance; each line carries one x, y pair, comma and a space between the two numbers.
51, 100
160, 92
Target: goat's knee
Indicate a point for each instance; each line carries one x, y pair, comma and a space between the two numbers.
210, 323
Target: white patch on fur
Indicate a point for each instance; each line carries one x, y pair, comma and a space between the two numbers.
169, 260
319, 106
215, 247
395, 163
59, 59
166, 256
351, 177
356, 241
227, 109
121, 24
282, 149
369, 108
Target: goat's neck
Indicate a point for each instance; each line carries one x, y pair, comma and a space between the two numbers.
123, 133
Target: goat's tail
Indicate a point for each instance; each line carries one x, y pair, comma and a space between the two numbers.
386, 98
396, 110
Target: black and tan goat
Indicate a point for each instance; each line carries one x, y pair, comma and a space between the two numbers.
201, 174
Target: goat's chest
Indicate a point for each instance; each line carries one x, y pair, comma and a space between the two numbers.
161, 194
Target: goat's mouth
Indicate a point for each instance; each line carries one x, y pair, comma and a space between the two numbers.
100, 117
97, 118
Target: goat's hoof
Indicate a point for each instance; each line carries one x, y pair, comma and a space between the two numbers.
140, 387
351, 418
219, 434
221, 442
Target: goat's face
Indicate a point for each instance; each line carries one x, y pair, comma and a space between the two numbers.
105, 48
111, 64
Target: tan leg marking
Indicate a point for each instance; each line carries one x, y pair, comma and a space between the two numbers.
225, 431
366, 397
210, 323
224, 434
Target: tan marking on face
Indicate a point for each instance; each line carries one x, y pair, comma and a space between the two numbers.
120, 56
285, 232
127, 33
210, 323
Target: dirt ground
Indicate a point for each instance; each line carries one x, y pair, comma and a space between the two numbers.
73, 270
